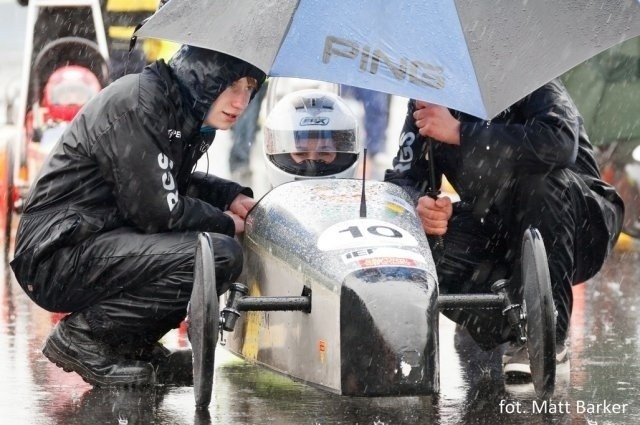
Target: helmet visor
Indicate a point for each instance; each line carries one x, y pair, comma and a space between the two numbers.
313, 168
287, 141
312, 153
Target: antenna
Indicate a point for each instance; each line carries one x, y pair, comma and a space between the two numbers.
363, 201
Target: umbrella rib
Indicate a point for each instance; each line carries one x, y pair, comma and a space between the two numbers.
286, 32
473, 63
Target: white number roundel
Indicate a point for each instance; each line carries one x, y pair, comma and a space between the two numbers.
363, 233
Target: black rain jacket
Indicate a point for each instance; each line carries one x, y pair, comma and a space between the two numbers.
538, 134
127, 159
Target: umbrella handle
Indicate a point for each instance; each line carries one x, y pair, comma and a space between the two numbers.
433, 192
438, 244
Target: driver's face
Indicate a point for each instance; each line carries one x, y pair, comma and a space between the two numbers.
315, 150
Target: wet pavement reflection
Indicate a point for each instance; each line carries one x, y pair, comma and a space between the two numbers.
602, 384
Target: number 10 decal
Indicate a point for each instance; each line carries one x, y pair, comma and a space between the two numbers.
376, 230
364, 233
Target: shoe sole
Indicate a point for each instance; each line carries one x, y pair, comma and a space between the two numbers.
67, 363
521, 372
562, 356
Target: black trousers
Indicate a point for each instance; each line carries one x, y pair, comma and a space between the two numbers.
480, 250
133, 287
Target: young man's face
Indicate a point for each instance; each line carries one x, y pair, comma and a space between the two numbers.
231, 103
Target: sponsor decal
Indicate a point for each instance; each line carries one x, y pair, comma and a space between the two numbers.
386, 262
355, 254
385, 256
406, 151
168, 183
396, 203
364, 233
254, 321
322, 349
396, 206
368, 59
314, 121
174, 134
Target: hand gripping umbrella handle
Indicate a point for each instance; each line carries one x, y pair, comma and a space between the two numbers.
438, 240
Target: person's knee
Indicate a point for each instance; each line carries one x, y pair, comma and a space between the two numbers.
228, 257
537, 187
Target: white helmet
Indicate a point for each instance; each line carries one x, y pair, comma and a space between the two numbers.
310, 134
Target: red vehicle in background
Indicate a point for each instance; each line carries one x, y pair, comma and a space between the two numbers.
65, 64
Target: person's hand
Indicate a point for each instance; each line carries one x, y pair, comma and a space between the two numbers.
434, 214
437, 122
241, 205
237, 221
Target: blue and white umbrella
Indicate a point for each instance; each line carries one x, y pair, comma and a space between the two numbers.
476, 56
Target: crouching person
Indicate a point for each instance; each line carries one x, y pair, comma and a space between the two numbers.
110, 227
531, 166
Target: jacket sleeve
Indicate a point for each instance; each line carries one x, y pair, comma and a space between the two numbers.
411, 165
542, 133
144, 179
214, 190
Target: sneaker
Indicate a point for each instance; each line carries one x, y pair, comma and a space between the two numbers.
562, 354
515, 360
72, 347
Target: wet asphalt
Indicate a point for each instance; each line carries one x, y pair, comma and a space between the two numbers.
600, 385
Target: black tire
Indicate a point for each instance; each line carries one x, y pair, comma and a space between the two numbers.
204, 316
540, 314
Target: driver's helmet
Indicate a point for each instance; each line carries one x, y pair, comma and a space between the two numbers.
310, 134
67, 90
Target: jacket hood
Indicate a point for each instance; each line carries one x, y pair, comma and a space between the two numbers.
203, 74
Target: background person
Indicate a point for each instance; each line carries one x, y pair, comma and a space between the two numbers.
375, 105
532, 165
243, 135
110, 225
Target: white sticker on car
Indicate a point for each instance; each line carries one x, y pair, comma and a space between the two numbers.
361, 233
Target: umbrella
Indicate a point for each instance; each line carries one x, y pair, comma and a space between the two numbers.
477, 57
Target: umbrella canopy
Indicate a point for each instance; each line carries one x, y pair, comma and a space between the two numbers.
477, 57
